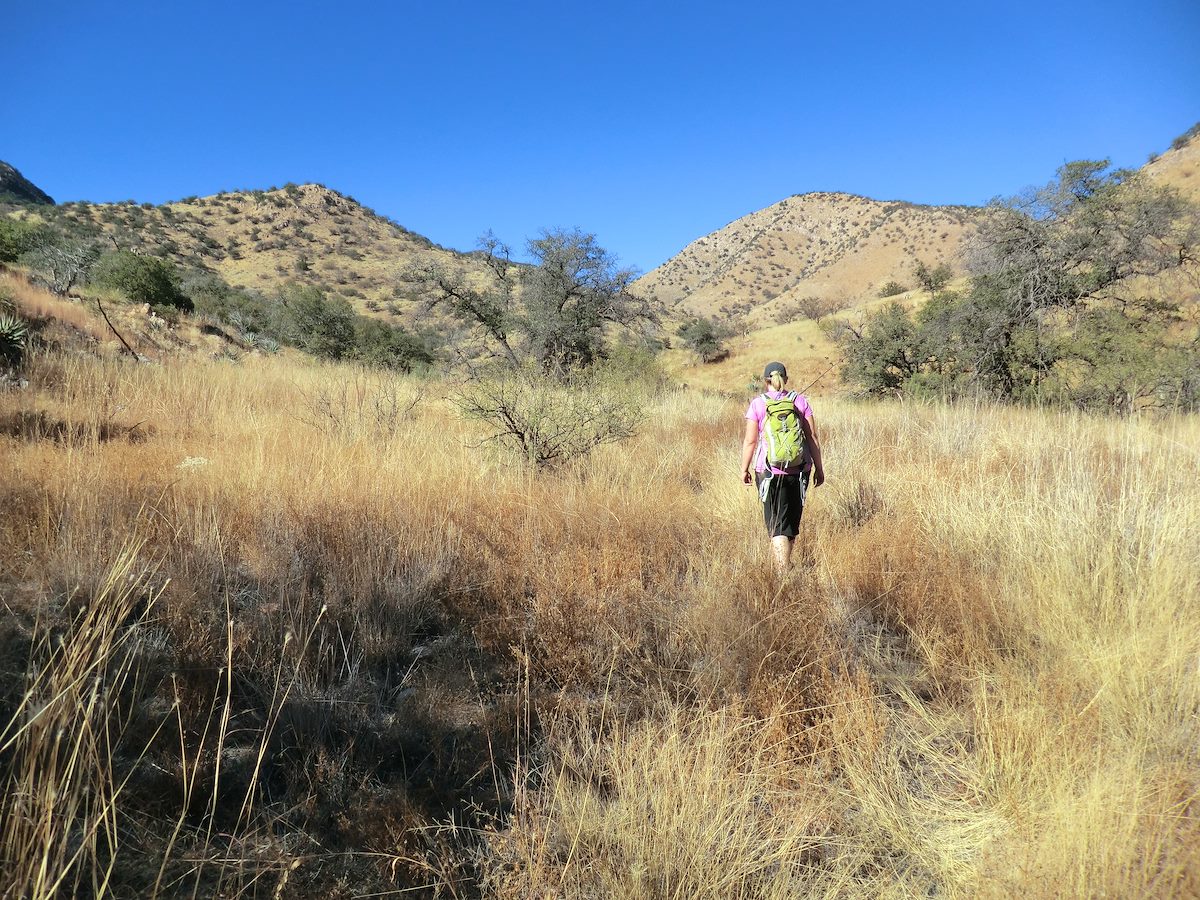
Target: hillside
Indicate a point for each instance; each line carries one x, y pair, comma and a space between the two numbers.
839, 249
262, 239
1179, 166
833, 246
16, 188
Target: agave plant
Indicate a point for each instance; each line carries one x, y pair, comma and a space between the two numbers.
13, 332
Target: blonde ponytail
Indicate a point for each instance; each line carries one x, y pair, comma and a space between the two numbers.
775, 381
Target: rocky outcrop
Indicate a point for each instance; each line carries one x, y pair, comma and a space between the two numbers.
16, 188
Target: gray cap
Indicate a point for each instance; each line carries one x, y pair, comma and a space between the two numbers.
773, 367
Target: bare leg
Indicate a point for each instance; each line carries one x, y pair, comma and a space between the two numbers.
783, 552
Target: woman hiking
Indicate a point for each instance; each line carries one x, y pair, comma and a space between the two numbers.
782, 449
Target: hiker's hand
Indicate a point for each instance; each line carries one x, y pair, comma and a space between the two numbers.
818, 477
746, 479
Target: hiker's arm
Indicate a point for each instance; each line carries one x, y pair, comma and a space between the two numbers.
749, 442
814, 447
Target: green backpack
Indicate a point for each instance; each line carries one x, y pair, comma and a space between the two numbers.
782, 434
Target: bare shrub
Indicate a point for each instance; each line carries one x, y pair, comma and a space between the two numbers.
546, 422
814, 308
366, 404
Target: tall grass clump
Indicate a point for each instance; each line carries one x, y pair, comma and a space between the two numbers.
65, 737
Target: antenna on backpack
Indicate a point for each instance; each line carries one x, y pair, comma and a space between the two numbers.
818, 378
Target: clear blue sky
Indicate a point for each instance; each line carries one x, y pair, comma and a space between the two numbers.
648, 124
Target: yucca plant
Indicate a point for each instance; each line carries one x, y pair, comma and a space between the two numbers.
13, 332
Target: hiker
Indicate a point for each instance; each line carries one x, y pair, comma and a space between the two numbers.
782, 449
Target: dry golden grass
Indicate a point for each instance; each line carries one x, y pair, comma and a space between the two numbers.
387, 657
39, 305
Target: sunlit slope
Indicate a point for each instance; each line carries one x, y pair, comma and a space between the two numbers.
812, 358
865, 244
262, 239
828, 245
1179, 167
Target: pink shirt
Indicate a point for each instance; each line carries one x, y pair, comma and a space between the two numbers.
758, 412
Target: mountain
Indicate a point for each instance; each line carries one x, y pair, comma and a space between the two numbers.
836, 247
262, 239
840, 249
16, 188
1179, 166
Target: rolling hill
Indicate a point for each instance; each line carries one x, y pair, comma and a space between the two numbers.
832, 246
839, 249
766, 271
262, 239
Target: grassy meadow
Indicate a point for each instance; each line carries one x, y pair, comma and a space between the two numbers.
280, 629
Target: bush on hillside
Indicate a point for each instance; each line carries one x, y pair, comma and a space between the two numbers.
1185, 137
62, 262
1053, 311
702, 337
891, 289
143, 279
932, 278
815, 308
212, 296
389, 347
18, 236
320, 325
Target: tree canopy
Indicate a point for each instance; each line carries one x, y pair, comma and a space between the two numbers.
554, 313
1064, 302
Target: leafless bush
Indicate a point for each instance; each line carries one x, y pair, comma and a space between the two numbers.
813, 308
548, 422
368, 403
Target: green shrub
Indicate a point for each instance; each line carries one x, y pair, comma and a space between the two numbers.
389, 347
703, 338
891, 289
13, 334
143, 279
18, 236
320, 325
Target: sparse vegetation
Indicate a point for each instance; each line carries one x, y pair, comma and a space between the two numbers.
1058, 307
1184, 138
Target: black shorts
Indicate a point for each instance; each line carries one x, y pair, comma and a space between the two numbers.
784, 504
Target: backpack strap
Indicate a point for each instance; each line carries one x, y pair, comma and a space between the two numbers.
758, 447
